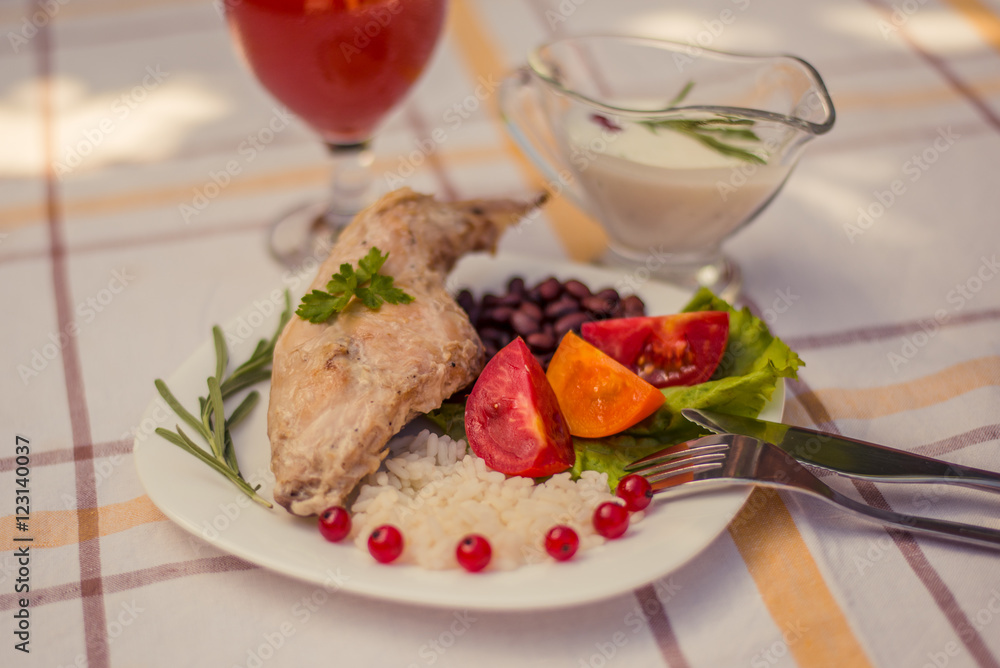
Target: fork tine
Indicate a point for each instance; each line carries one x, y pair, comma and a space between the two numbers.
682, 465
675, 455
678, 476
679, 463
698, 446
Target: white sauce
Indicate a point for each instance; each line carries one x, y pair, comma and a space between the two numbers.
664, 190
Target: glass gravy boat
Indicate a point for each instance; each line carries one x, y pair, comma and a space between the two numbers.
671, 147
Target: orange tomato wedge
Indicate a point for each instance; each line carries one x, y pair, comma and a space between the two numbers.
597, 395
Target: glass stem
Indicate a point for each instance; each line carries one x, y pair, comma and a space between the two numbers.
350, 182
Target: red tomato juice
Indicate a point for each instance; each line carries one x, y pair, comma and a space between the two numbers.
340, 65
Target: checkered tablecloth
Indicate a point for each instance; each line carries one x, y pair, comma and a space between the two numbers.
122, 242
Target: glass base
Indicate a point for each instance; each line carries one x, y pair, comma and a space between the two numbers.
305, 233
714, 271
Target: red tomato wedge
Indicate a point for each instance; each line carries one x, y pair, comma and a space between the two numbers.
598, 396
681, 349
512, 417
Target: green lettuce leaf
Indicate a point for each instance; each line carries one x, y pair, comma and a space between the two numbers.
450, 418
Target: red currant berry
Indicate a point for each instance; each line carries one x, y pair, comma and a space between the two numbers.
473, 553
385, 543
635, 491
335, 523
561, 542
611, 519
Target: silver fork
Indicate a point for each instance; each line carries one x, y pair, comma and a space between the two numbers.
726, 459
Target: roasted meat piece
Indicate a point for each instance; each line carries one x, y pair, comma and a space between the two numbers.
341, 389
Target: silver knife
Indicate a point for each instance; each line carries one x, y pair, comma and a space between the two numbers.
846, 455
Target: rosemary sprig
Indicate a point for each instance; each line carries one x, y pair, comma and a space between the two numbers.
211, 423
713, 133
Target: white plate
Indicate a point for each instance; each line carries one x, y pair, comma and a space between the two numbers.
210, 507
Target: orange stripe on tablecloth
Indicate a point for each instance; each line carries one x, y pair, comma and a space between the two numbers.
919, 393
55, 528
910, 98
580, 235
17, 216
982, 17
812, 624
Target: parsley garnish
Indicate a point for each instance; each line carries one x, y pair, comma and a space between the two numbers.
319, 306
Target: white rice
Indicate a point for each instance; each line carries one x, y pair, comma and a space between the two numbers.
436, 491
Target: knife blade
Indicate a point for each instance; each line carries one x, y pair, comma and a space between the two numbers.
846, 455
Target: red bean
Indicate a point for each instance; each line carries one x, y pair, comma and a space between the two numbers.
499, 314
492, 334
531, 309
523, 323
597, 304
549, 289
542, 314
562, 306
610, 294
573, 321
542, 341
577, 289
465, 300
509, 299
633, 306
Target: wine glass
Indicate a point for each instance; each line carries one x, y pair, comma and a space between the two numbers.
340, 66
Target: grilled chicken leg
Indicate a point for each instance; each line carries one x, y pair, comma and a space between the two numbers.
341, 389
